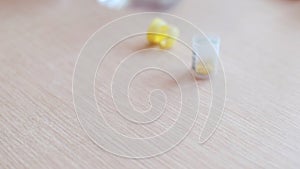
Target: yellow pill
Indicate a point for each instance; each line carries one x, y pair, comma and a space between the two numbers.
170, 35
204, 69
162, 34
154, 31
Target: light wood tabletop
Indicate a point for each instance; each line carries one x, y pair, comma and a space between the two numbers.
39, 46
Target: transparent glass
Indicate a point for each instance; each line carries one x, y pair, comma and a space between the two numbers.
205, 58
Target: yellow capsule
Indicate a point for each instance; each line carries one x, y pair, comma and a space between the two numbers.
204, 69
170, 35
162, 34
155, 27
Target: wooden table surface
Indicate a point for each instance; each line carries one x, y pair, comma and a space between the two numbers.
39, 46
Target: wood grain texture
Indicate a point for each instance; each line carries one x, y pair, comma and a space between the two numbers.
39, 45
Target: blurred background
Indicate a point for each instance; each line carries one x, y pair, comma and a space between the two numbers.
39, 44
